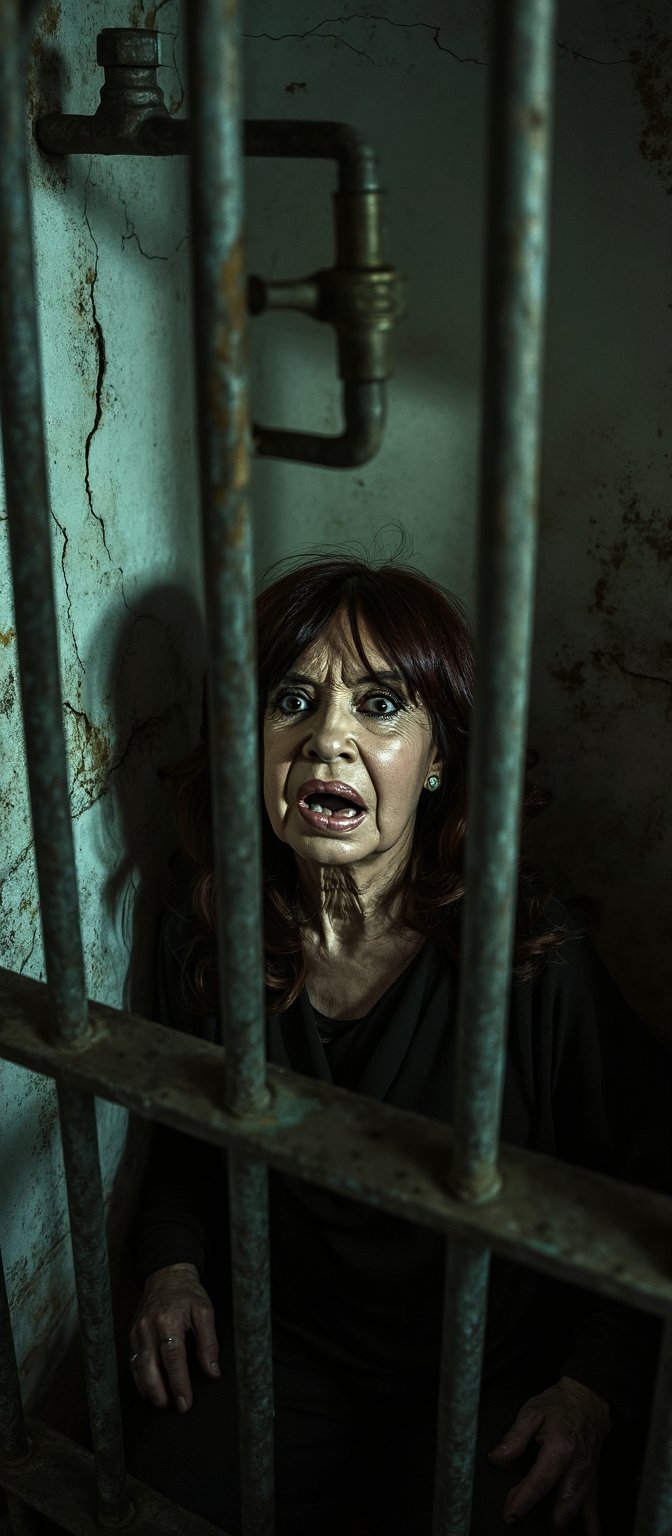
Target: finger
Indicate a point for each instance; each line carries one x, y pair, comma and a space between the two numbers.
148, 1378
546, 1472
205, 1336
518, 1437
174, 1362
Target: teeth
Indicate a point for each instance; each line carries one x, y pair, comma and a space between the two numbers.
352, 810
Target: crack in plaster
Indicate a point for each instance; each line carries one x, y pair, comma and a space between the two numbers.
28, 957
329, 21
131, 234
68, 594
15, 867
575, 53
101, 361
649, 677
94, 732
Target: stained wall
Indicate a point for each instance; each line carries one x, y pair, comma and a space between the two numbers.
113, 274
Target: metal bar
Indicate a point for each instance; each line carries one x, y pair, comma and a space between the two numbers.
220, 303
58, 1481
520, 122
654, 1508
248, 1191
29, 530
224, 441
580, 1226
13, 1439
467, 1272
94, 1298
29, 535
15, 1446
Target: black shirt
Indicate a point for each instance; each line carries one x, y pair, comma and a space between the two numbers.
363, 1289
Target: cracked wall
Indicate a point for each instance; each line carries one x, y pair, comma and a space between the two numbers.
112, 271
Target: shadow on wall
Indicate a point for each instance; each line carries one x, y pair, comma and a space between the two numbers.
149, 691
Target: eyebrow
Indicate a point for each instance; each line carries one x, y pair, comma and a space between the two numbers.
366, 677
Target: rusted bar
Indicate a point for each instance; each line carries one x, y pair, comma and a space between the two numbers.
94, 1298
520, 124
467, 1271
30, 545
15, 1447
219, 286
29, 531
578, 1226
654, 1508
58, 1481
248, 1198
13, 1439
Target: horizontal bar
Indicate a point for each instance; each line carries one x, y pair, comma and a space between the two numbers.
654, 1508
566, 1221
58, 1480
522, 52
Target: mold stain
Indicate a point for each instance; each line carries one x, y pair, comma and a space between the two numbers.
8, 695
570, 678
651, 63
6, 636
50, 18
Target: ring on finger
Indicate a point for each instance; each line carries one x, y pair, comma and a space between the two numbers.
168, 1338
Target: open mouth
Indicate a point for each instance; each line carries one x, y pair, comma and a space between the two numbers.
332, 805
329, 810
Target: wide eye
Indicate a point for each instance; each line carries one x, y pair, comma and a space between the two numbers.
382, 705
289, 702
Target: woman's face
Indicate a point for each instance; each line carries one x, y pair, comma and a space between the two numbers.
346, 757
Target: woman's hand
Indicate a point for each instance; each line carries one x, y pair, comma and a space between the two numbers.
172, 1305
569, 1422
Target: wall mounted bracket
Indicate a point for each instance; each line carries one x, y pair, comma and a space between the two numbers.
361, 296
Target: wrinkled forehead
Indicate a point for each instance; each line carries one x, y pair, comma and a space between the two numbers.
338, 655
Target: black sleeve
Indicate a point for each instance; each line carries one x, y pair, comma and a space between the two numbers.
612, 1112
175, 1218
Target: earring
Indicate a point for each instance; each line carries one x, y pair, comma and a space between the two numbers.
433, 782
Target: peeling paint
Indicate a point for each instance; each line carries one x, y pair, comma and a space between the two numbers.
6, 636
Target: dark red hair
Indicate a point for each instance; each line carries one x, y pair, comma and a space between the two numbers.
425, 636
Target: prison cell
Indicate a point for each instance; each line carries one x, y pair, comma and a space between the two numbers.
485, 1197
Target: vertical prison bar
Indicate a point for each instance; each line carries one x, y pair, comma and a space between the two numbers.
521, 89
220, 298
30, 547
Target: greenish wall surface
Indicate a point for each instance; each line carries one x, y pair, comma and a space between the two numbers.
112, 254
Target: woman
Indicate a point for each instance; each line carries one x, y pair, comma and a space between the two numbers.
365, 680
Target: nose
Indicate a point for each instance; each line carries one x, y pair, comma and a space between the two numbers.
330, 737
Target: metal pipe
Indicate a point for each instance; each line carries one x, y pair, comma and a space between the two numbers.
467, 1272
520, 123
219, 287
29, 537
654, 1508
29, 531
364, 416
